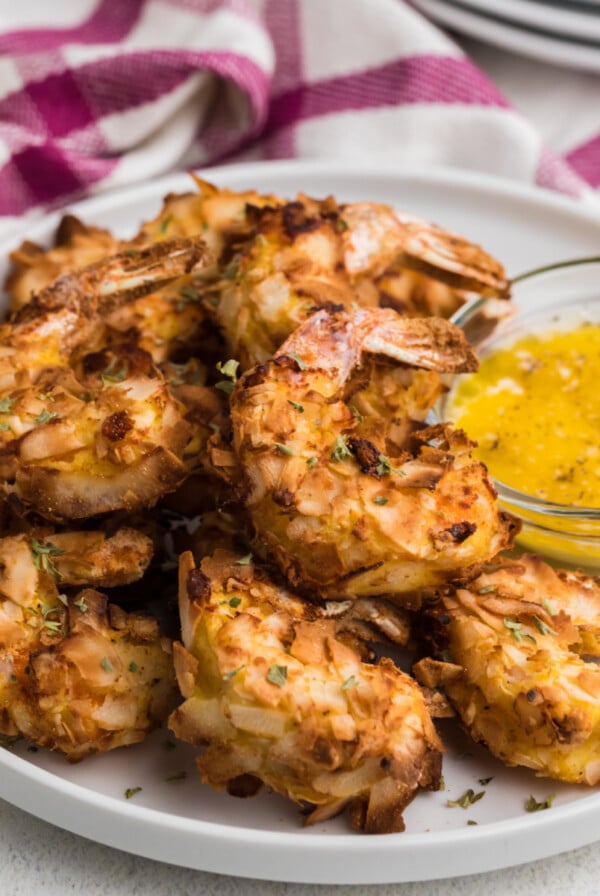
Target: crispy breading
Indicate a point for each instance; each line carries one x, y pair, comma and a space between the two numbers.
274, 695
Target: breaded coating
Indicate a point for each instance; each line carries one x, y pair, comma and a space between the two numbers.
515, 652
277, 698
76, 674
335, 501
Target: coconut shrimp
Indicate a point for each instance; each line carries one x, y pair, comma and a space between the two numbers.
220, 216
340, 507
514, 646
76, 245
278, 699
76, 674
88, 423
309, 254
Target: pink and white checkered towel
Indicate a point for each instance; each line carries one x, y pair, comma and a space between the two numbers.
96, 94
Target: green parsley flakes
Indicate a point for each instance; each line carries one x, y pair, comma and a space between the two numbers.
532, 805
283, 449
233, 672
542, 627
131, 791
46, 416
244, 561
301, 364
381, 500
340, 450
6, 404
516, 630
229, 368
43, 554
277, 675
350, 682
133, 667
467, 799
106, 664
298, 407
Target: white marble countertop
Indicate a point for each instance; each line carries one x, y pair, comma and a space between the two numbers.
36, 858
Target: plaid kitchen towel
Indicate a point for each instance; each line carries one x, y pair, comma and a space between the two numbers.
96, 94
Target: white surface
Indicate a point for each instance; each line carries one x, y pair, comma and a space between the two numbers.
555, 49
570, 20
188, 824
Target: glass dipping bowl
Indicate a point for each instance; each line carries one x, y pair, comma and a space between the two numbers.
558, 297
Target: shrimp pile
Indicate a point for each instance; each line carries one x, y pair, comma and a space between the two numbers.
243, 390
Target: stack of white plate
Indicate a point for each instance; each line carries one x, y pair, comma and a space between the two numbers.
564, 32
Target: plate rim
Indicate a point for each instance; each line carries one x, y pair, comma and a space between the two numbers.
512, 38
571, 819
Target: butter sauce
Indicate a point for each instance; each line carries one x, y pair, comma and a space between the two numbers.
534, 409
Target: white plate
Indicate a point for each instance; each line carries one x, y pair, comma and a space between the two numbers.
579, 23
185, 823
513, 37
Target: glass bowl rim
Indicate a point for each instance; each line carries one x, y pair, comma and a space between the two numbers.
512, 496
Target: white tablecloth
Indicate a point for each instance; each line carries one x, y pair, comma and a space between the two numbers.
36, 858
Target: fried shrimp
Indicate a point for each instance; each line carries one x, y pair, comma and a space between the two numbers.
278, 699
76, 674
88, 423
516, 642
344, 510
76, 245
309, 254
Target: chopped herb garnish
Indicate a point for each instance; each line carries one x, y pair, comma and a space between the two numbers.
244, 561
549, 607
340, 450
357, 414
467, 799
233, 672
81, 605
487, 589
311, 462
225, 386
532, 805
106, 664
45, 416
442, 783
178, 776
6, 405
234, 601
277, 675
485, 781
350, 683
4, 427
131, 791
341, 225
283, 449
542, 627
164, 224
385, 467
53, 626
301, 364
516, 630
298, 407
63, 599
112, 375
133, 667
229, 368
43, 554
381, 500
470, 821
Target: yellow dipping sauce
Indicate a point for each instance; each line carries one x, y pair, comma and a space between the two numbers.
534, 409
